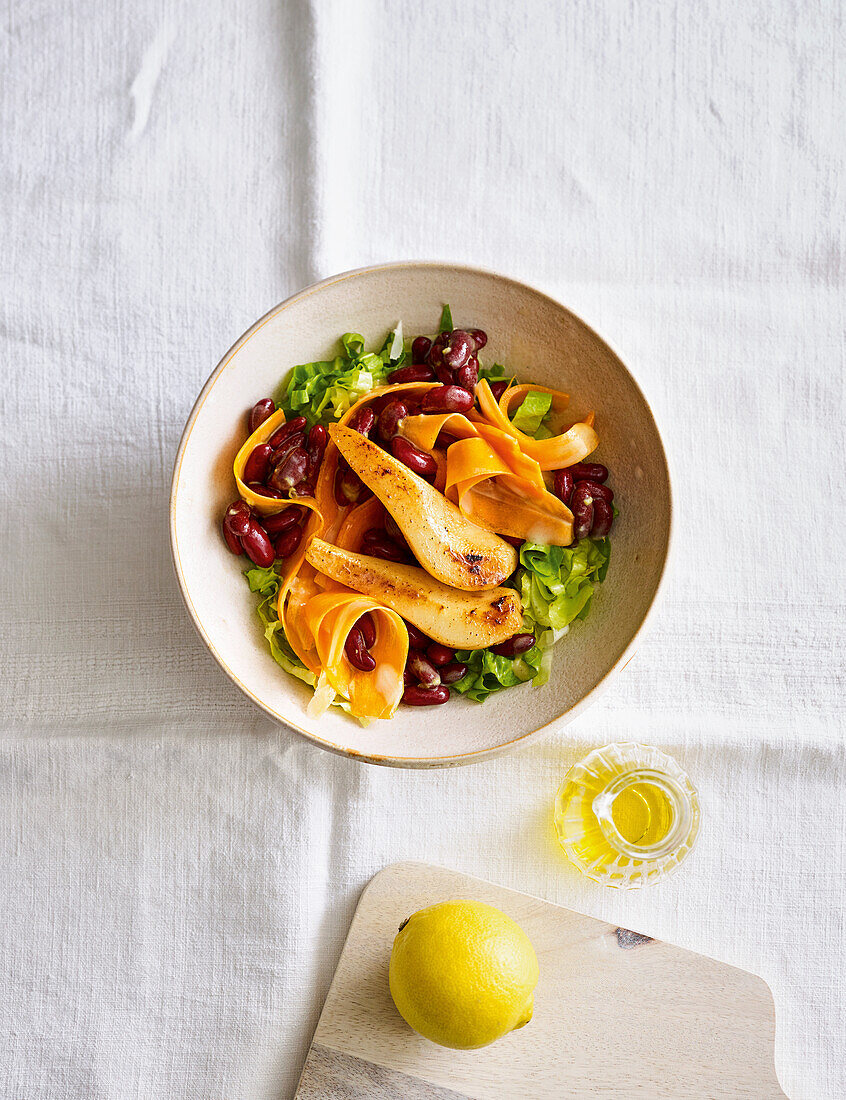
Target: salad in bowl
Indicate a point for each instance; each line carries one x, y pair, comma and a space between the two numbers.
417, 523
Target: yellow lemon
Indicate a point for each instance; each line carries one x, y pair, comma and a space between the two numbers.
462, 974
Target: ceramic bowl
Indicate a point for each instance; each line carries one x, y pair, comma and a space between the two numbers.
540, 341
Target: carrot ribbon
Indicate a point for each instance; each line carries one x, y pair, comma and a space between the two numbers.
492, 471
316, 613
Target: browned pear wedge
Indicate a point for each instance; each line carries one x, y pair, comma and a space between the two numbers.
460, 620
447, 544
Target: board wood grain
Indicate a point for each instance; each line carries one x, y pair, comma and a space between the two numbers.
617, 1015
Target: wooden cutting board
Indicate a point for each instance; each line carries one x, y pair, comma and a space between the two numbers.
616, 1014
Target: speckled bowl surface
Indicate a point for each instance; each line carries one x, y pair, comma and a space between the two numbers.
542, 342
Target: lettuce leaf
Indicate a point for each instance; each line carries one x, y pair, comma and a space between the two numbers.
495, 373
266, 582
487, 672
324, 390
353, 343
531, 412
446, 324
557, 583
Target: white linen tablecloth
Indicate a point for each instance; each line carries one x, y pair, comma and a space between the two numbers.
177, 873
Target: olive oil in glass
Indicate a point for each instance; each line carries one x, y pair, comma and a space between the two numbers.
626, 815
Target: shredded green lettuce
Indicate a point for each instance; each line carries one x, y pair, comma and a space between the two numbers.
532, 410
325, 390
497, 373
266, 583
557, 583
487, 672
353, 344
446, 320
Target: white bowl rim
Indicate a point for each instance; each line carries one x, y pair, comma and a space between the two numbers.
413, 761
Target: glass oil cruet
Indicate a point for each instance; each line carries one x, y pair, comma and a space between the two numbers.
626, 815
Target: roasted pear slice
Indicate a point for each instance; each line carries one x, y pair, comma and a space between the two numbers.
447, 544
460, 620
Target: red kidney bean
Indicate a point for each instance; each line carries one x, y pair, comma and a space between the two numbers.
349, 488
389, 419
368, 629
422, 670
445, 440
294, 469
581, 505
598, 492
414, 372
440, 654
378, 403
294, 442
420, 349
260, 412
282, 521
435, 355
377, 544
393, 529
357, 653
257, 545
513, 647
237, 517
447, 399
256, 466
281, 434
362, 421
457, 350
562, 485
419, 462
452, 672
288, 541
513, 540
289, 471
304, 489
499, 388
232, 540
468, 375
589, 471
416, 638
318, 438
264, 490
603, 517
444, 375
425, 697
479, 338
